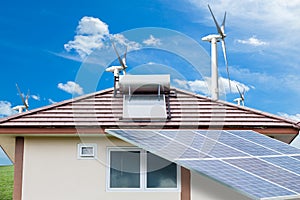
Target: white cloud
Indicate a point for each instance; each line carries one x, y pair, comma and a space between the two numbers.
273, 21
71, 87
36, 97
253, 41
6, 109
199, 86
266, 82
233, 87
51, 101
181, 83
91, 34
92, 26
295, 117
203, 86
123, 41
152, 41
247, 13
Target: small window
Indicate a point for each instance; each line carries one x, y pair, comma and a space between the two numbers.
134, 168
87, 151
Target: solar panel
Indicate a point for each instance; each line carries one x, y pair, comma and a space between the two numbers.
144, 107
286, 162
237, 178
251, 163
270, 172
242, 144
266, 142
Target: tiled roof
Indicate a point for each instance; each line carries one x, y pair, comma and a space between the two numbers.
187, 110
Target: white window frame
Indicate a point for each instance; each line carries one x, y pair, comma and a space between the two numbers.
88, 156
143, 173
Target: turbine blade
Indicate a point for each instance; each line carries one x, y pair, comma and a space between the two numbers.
119, 58
223, 24
21, 95
217, 25
26, 99
125, 54
124, 60
226, 63
239, 91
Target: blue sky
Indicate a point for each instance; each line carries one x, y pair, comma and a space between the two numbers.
44, 47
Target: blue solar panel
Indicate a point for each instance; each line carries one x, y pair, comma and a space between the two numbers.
255, 165
296, 157
269, 172
252, 185
266, 142
239, 143
203, 144
286, 162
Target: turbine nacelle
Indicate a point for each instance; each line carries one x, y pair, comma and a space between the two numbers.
19, 108
209, 38
116, 70
240, 101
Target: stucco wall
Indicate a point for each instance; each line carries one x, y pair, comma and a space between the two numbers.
53, 171
203, 188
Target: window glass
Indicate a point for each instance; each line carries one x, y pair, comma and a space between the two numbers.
125, 169
161, 173
87, 151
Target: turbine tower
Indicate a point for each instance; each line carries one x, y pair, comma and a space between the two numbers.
213, 39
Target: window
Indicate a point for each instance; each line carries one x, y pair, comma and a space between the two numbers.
161, 173
87, 151
136, 169
125, 169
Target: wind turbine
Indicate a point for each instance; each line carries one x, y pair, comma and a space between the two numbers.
241, 99
116, 69
213, 39
25, 106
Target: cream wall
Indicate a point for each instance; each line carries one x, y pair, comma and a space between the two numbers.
203, 188
53, 171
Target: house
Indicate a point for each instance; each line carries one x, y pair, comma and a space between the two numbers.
82, 148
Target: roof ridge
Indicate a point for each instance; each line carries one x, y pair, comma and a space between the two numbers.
47, 107
266, 114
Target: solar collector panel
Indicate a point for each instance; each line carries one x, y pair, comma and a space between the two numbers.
267, 142
215, 154
269, 172
250, 185
286, 162
241, 144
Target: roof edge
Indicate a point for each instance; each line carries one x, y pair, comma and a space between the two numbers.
47, 107
295, 123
